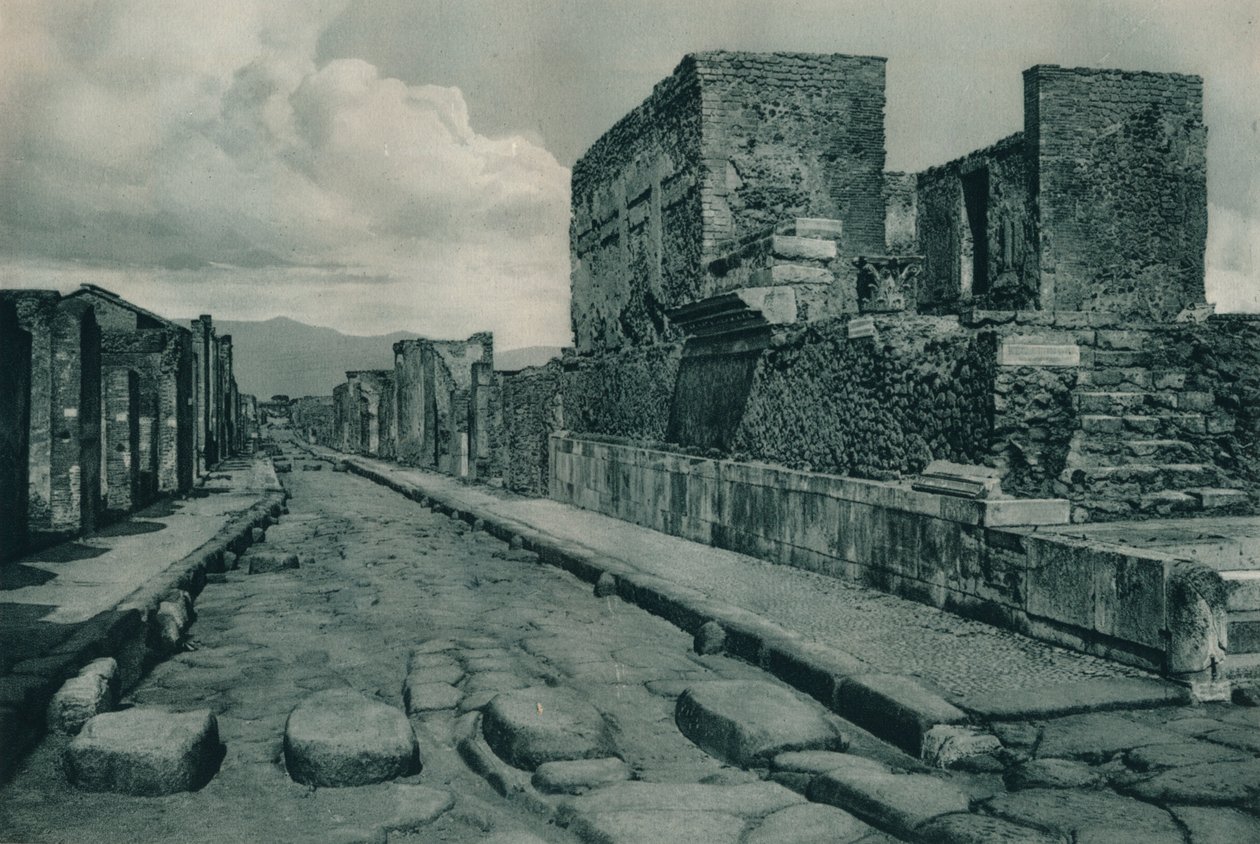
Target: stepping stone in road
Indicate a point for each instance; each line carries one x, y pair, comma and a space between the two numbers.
529, 727
145, 751
338, 737
746, 722
263, 562
93, 691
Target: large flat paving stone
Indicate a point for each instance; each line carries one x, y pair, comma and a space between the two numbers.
655, 827
810, 823
531, 726
1097, 736
966, 828
1216, 825
1217, 784
746, 800
145, 751
746, 722
578, 775
898, 802
1088, 815
338, 737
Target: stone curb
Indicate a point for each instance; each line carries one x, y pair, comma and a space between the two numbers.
845, 684
128, 633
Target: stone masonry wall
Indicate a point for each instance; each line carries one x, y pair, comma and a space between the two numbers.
871, 408
313, 418
1119, 169
15, 382
532, 409
728, 145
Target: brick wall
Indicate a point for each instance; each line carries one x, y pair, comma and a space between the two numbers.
76, 457
726, 146
1119, 168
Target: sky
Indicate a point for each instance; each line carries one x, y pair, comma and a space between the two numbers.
382, 165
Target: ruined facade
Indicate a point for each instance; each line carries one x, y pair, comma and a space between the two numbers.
365, 415
102, 413
312, 419
447, 405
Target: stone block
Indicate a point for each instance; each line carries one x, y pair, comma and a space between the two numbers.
531, 726
746, 722
810, 823
899, 803
808, 248
945, 745
145, 751
264, 562
895, 707
1023, 351
83, 697
429, 697
579, 775
338, 737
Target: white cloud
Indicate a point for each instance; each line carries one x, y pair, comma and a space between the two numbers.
195, 156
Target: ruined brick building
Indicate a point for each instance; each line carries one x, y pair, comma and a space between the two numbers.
108, 406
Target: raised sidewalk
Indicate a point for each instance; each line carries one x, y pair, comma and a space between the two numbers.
97, 596
888, 664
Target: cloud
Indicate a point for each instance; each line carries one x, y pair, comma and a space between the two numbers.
199, 153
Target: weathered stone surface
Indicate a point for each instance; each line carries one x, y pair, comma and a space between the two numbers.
896, 707
263, 562
338, 737
982, 829
1052, 773
1089, 815
93, 691
528, 727
749, 800
169, 625
745, 722
429, 697
605, 586
945, 745
514, 837
145, 752
1210, 825
417, 806
257, 535
653, 827
897, 802
578, 775
1221, 783
1158, 756
1097, 736
810, 823
822, 761
710, 639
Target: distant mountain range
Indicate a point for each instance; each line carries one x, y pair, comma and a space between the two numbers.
282, 356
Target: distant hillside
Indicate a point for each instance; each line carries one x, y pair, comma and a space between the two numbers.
282, 356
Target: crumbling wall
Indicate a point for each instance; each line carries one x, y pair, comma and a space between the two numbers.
729, 144
1119, 168
976, 231
313, 419
533, 408
873, 408
901, 225
15, 383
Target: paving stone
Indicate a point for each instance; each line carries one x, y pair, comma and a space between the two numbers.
338, 737
1158, 756
432, 646
429, 697
1241, 738
1220, 783
946, 745
578, 775
514, 837
981, 829
654, 827
93, 691
1017, 734
145, 751
896, 802
432, 661
1097, 816
1217, 825
821, 761
811, 823
1097, 736
1052, 773
264, 562
495, 681
417, 806
749, 800
745, 722
710, 639
895, 707
530, 726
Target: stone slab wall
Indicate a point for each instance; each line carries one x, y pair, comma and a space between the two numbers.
929, 548
1119, 170
977, 209
729, 144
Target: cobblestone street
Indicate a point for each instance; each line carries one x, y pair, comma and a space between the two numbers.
421, 612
